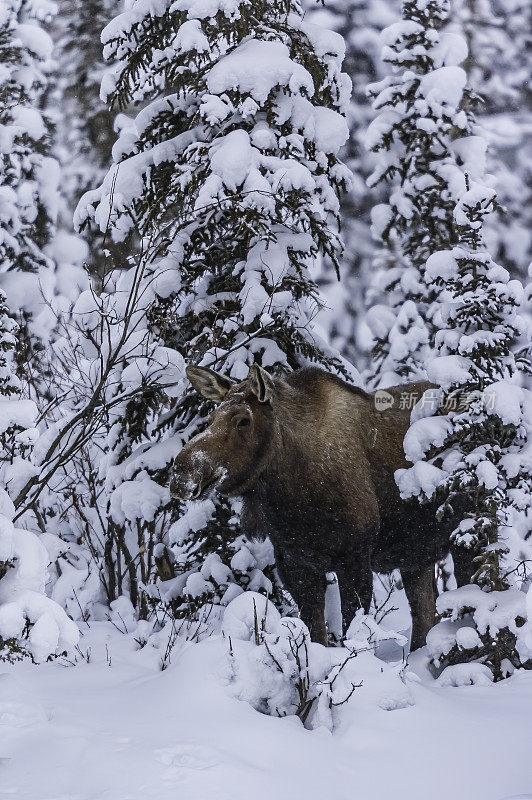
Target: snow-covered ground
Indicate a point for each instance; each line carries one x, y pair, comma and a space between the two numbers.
116, 727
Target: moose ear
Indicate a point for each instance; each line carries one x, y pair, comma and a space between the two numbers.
261, 384
209, 384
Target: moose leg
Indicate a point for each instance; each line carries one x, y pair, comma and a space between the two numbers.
355, 580
316, 616
307, 587
419, 588
310, 598
464, 566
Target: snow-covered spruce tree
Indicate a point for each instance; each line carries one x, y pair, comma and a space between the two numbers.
498, 66
474, 457
497, 33
87, 131
343, 316
421, 110
84, 127
28, 176
31, 624
231, 175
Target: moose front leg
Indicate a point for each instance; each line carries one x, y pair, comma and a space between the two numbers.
464, 564
312, 611
355, 580
307, 587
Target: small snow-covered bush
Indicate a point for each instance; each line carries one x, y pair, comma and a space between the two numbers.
477, 626
30, 623
268, 657
274, 666
197, 596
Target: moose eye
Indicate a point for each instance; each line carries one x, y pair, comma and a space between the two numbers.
244, 422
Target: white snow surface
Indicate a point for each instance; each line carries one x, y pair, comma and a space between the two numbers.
114, 727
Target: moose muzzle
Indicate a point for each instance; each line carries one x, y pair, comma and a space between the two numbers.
192, 476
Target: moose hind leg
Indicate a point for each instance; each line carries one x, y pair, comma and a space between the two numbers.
419, 588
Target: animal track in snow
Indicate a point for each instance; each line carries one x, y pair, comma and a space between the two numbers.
187, 756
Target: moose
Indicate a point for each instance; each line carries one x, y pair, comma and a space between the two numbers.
313, 459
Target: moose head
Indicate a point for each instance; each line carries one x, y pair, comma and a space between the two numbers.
233, 450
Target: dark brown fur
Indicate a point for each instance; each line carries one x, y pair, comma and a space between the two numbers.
314, 461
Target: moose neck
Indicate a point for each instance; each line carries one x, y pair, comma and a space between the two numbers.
288, 466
